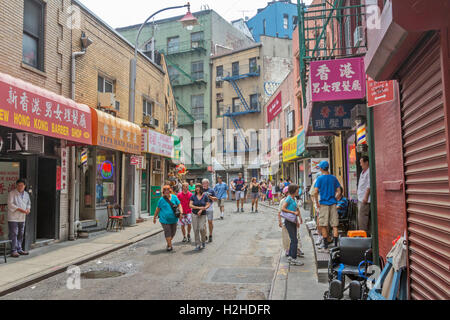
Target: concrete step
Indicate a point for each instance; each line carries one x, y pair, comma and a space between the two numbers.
88, 223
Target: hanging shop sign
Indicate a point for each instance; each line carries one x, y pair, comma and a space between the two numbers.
301, 144
115, 133
138, 162
332, 116
64, 170
26, 107
379, 92
58, 178
290, 149
274, 108
177, 149
157, 143
340, 79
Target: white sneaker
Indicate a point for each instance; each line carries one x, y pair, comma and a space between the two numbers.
295, 262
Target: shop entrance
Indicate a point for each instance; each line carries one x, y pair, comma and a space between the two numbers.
46, 200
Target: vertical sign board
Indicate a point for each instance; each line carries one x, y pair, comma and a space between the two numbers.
315, 164
64, 170
274, 108
332, 116
9, 174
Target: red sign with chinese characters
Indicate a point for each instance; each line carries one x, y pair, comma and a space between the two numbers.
26, 107
58, 178
379, 92
274, 108
340, 79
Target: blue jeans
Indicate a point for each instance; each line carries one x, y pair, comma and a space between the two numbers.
292, 230
16, 233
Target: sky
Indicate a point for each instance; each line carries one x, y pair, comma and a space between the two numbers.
121, 13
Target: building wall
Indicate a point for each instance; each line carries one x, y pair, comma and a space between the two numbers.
389, 167
298, 100
56, 74
273, 14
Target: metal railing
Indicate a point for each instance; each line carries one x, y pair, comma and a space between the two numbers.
183, 47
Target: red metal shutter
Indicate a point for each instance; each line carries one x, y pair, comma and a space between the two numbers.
426, 173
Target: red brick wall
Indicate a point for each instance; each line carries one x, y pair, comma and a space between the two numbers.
389, 167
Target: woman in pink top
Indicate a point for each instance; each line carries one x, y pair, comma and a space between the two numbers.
186, 219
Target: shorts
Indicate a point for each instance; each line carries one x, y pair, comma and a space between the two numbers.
255, 195
221, 202
186, 220
169, 230
328, 215
240, 195
210, 215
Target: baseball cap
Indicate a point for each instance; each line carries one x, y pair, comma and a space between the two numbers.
324, 165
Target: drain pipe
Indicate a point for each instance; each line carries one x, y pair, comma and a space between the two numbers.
73, 185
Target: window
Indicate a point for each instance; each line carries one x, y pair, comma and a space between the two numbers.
235, 69
294, 21
196, 39
173, 44
198, 106
105, 85
254, 141
220, 145
220, 108
197, 150
235, 145
254, 101
219, 74
33, 34
197, 70
285, 21
236, 105
148, 108
148, 46
106, 180
253, 67
174, 74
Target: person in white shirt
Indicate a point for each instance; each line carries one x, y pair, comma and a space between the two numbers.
19, 206
364, 195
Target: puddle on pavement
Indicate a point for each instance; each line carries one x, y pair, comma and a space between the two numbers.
101, 274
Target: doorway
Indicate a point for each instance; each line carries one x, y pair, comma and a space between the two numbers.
46, 200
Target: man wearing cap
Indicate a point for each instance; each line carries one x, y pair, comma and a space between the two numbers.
327, 185
19, 206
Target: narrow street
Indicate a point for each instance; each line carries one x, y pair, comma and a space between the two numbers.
239, 264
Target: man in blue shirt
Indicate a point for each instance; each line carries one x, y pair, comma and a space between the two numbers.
221, 193
239, 187
326, 186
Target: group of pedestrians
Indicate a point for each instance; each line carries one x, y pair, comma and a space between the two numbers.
190, 209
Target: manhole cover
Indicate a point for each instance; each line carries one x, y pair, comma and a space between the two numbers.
101, 274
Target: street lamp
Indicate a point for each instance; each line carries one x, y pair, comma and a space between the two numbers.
188, 22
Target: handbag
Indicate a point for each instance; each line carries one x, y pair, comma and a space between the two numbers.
289, 216
175, 208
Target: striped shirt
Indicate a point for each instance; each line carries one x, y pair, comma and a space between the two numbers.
342, 206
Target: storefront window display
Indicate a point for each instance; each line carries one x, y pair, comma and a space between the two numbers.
106, 178
352, 169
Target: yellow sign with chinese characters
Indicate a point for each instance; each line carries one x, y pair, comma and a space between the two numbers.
290, 149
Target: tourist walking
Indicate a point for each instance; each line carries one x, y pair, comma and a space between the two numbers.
263, 191
254, 191
166, 212
221, 189
199, 203
292, 220
326, 186
210, 211
239, 187
271, 191
186, 219
19, 206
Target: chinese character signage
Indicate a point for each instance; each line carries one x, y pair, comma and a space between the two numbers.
274, 108
301, 144
139, 162
64, 170
115, 133
341, 79
158, 143
290, 149
379, 92
32, 109
9, 174
332, 116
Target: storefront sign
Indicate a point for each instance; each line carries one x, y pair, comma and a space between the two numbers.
33, 109
379, 92
58, 178
290, 149
64, 170
107, 170
115, 133
274, 108
9, 174
139, 162
341, 79
301, 142
332, 116
315, 164
157, 143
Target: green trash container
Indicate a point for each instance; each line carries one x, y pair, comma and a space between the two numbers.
155, 196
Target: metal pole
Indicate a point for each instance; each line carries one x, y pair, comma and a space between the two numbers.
373, 187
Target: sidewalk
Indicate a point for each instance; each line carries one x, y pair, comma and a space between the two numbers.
293, 282
48, 261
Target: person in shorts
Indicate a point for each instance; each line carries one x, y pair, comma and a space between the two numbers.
186, 219
255, 188
166, 216
239, 187
221, 189
327, 186
210, 211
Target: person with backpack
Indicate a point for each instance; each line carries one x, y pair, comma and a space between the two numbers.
168, 211
292, 220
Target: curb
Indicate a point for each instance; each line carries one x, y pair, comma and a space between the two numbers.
62, 268
274, 280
